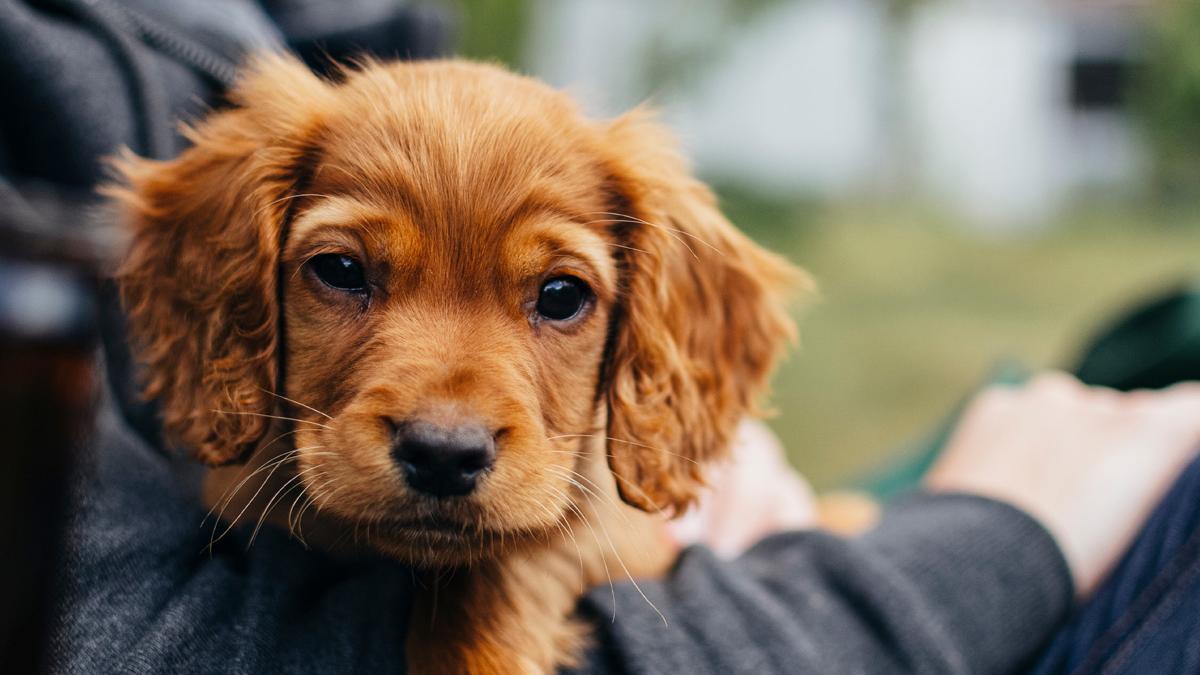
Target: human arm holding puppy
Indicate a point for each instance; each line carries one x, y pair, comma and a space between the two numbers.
953, 579
1088, 463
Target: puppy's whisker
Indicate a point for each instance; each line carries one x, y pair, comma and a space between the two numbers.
231, 491
275, 466
320, 481
649, 500
606, 499
374, 522
229, 494
326, 492
294, 401
287, 488
292, 525
603, 559
275, 440
301, 263
636, 586
621, 440
287, 198
322, 492
308, 451
635, 219
630, 248
668, 230
565, 530
624, 481
271, 502
301, 494
597, 490
274, 417
357, 177
292, 521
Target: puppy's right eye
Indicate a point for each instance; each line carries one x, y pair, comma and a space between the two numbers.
339, 271
561, 298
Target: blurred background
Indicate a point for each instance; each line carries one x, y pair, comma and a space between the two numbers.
970, 181
973, 183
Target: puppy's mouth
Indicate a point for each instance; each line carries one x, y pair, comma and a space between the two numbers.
439, 539
436, 541
432, 525
435, 530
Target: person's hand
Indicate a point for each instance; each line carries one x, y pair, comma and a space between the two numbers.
755, 495
1088, 463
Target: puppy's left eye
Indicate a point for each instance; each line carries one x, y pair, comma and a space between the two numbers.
339, 271
561, 298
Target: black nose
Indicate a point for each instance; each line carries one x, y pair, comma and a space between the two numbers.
443, 462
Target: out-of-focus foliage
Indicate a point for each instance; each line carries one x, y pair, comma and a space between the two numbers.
493, 30
1167, 97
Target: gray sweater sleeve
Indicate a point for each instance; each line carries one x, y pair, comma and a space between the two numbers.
944, 584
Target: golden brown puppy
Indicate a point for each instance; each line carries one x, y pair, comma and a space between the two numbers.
461, 320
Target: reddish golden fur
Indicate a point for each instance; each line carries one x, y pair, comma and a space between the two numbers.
461, 187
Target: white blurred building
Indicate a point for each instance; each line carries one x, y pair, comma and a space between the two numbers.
1002, 108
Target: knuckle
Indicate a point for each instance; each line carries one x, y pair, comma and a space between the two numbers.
1054, 381
1189, 389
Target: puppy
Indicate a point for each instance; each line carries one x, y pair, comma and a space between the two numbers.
495, 338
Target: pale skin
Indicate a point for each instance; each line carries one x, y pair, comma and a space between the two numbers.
1088, 463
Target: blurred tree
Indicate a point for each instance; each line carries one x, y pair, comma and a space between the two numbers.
1167, 97
493, 30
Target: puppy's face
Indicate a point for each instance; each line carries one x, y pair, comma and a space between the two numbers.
459, 286
448, 288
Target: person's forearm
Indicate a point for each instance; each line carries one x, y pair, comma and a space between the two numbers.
946, 583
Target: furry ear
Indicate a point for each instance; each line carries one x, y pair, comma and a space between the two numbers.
701, 321
199, 281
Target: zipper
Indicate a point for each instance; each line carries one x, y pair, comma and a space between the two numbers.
218, 67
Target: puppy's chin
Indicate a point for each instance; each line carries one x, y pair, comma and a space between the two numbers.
433, 543
430, 534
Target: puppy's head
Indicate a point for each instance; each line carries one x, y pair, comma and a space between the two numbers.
459, 286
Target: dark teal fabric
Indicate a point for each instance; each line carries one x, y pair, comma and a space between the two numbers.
1153, 345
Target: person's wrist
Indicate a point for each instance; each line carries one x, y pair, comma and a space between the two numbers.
1083, 577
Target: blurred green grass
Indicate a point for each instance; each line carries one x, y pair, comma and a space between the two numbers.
914, 311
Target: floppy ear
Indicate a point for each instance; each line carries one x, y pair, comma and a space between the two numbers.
701, 321
199, 282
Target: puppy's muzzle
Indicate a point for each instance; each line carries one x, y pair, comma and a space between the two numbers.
443, 461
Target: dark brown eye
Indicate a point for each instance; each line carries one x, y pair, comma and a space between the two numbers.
339, 271
561, 298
